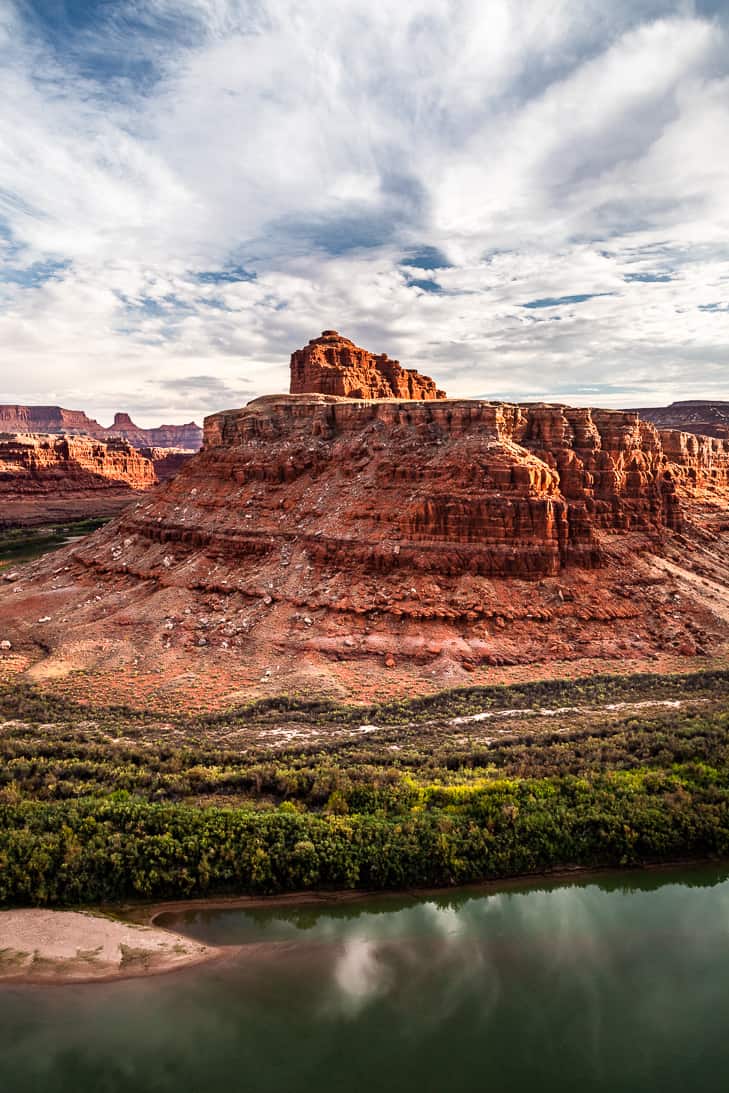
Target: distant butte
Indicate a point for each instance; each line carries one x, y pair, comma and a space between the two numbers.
56, 420
333, 365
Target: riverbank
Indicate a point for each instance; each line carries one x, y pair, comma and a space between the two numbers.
42, 946
125, 809
560, 876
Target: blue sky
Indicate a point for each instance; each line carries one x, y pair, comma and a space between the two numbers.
526, 199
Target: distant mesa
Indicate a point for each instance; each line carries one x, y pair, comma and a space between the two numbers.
54, 419
705, 417
333, 365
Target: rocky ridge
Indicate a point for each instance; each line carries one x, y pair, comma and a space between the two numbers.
333, 365
317, 539
701, 416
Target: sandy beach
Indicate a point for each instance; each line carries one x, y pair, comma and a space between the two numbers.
38, 945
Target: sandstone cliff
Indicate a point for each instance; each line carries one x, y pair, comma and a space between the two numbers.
333, 365
44, 477
318, 542
54, 419
47, 419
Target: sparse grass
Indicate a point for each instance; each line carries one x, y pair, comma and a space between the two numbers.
135, 958
11, 959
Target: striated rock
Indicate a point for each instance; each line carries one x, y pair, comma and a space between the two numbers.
41, 472
36, 462
47, 419
333, 365
54, 419
316, 540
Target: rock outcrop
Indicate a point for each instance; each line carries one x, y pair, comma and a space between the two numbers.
701, 416
331, 544
56, 420
44, 476
333, 365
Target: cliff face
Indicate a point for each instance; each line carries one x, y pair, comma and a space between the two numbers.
54, 419
316, 541
452, 486
46, 479
701, 416
38, 463
333, 365
47, 419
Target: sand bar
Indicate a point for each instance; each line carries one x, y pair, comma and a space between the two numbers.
38, 945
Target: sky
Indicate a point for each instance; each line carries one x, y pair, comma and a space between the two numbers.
525, 199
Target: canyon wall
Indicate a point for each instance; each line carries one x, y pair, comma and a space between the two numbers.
46, 478
333, 365
33, 463
451, 486
167, 462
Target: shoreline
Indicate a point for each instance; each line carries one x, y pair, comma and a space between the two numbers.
147, 914
77, 967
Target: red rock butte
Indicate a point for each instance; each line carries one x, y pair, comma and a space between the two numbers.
352, 547
333, 365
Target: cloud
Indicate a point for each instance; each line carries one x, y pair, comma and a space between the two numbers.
559, 301
190, 189
206, 392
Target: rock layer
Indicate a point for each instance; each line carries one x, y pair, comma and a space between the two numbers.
167, 462
317, 541
36, 463
67, 475
333, 365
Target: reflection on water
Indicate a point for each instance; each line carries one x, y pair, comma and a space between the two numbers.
598, 986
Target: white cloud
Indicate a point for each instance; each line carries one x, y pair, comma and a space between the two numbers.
549, 150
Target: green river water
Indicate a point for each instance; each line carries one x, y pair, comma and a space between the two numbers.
18, 545
620, 983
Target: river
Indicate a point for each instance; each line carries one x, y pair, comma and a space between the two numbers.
619, 984
19, 545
